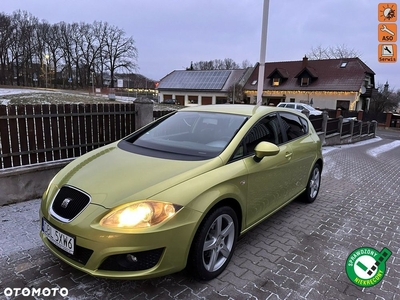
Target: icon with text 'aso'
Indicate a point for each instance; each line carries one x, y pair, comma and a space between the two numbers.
387, 33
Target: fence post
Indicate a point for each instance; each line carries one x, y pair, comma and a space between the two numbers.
340, 125
143, 111
375, 126
324, 126
351, 128
306, 112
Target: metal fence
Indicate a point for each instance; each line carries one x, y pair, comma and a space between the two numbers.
31, 134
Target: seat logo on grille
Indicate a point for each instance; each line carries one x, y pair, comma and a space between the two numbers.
65, 202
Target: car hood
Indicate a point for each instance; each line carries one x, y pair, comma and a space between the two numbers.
112, 176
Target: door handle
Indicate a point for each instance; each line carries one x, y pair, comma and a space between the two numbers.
288, 155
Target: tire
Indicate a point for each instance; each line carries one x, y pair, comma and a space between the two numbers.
313, 185
213, 244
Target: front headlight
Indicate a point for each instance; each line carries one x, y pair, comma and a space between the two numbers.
139, 214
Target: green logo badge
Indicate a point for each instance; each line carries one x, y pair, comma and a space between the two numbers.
366, 267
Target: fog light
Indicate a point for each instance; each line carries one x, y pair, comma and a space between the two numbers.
131, 258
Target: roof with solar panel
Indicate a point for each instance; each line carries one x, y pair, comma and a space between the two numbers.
196, 80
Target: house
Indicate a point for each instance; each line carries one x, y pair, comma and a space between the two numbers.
346, 83
194, 87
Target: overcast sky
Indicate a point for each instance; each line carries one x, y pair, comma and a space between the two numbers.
169, 34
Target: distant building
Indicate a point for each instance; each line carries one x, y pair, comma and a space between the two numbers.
193, 87
346, 83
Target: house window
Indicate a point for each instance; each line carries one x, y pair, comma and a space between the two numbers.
305, 81
275, 81
343, 64
292, 99
343, 104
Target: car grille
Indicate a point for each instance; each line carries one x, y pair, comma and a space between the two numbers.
68, 203
132, 261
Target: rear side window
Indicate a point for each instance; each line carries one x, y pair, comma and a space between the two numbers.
293, 126
290, 106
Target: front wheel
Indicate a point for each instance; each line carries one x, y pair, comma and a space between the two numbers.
213, 245
313, 184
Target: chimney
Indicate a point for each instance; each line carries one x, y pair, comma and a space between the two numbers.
305, 60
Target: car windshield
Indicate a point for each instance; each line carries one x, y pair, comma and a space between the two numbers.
310, 108
197, 134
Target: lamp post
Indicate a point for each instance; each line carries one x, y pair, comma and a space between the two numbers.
46, 56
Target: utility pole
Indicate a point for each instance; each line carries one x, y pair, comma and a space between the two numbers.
261, 70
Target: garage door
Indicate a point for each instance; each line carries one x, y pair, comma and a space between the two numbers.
206, 100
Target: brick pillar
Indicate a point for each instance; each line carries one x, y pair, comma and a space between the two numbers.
388, 119
360, 115
144, 112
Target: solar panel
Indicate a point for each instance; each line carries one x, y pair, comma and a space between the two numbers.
195, 80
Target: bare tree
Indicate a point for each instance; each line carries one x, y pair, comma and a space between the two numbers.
340, 51
386, 99
216, 64
6, 30
246, 64
236, 93
119, 51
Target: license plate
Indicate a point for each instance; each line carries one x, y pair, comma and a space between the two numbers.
58, 238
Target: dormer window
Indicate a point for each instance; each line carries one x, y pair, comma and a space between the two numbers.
254, 82
343, 64
275, 81
305, 81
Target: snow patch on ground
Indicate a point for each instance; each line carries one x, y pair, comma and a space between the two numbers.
384, 148
328, 149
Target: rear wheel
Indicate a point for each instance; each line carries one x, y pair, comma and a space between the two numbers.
213, 244
313, 184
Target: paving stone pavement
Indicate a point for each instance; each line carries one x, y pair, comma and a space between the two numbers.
298, 253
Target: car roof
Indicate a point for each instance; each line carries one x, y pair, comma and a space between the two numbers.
238, 109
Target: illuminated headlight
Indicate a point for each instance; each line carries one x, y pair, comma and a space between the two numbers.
139, 214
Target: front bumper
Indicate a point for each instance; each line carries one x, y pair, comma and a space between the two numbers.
136, 254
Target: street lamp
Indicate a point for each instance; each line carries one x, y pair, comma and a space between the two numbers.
46, 56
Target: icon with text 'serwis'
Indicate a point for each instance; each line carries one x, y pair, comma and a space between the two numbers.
387, 53
387, 33
387, 12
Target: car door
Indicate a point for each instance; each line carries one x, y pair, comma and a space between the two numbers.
303, 149
267, 185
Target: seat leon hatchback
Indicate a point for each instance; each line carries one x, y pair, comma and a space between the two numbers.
179, 192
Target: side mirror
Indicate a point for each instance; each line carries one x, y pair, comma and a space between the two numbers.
265, 149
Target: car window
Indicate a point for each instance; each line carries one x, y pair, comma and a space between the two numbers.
187, 134
290, 105
293, 126
281, 105
266, 130
300, 107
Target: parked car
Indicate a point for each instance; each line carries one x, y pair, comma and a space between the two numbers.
179, 192
170, 101
300, 107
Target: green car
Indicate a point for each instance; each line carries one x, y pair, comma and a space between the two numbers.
178, 192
